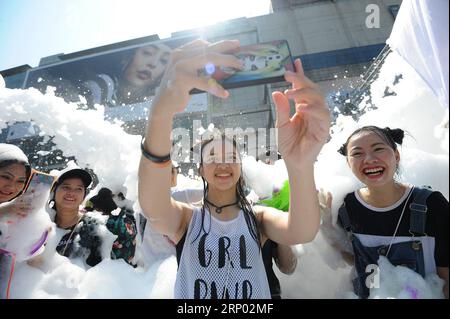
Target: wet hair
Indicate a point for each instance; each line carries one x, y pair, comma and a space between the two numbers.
392, 137
243, 203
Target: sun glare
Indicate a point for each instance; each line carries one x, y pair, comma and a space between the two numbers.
74, 26
165, 17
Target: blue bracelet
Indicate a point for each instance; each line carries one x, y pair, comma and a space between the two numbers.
153, 158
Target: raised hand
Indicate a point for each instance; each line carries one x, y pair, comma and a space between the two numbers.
16, 208
301, 137
325, 201
182, 73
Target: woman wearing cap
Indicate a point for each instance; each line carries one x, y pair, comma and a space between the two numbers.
68, 193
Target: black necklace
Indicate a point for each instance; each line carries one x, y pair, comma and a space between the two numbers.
219, 208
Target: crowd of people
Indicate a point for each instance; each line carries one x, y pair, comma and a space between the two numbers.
226, 244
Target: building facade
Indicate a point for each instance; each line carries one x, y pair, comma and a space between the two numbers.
336, 39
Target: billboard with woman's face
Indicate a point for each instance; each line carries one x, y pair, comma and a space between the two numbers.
116, 79
123, 80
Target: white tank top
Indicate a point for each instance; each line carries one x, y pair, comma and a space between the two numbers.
226, 262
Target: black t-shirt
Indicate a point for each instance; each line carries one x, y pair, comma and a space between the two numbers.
82, 240
377, 226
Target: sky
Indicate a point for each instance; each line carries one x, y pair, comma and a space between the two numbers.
31, 29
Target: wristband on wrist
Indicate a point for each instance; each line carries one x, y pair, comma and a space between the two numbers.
161, 161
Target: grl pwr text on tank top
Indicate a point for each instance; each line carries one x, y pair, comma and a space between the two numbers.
223, 262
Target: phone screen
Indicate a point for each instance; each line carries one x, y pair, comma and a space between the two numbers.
39, 180
263, 63
38, 188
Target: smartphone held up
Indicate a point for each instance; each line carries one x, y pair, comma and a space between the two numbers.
38, 188
263, 63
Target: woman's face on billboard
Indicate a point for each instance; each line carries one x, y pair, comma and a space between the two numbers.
147, 65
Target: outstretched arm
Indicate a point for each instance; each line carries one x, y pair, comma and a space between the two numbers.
166, 215
15, 208
300, 139
286, 259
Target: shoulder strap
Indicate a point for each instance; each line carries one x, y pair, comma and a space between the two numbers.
419, 210
142, 225
345, 219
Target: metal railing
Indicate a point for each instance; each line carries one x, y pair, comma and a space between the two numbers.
369, 77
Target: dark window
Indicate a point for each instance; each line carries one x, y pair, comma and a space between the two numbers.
341, 57
394, 10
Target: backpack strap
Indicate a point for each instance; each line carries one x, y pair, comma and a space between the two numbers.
345, 220
419, 210
141, 224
